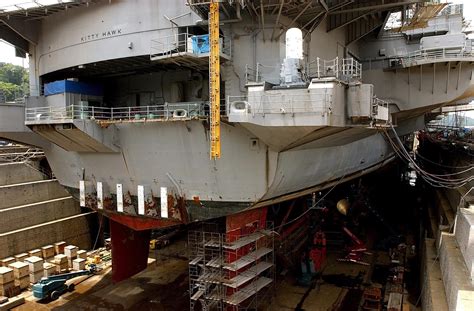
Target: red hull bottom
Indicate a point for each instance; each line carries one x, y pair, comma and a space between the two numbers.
129, 250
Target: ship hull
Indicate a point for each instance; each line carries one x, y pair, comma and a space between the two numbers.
201, 189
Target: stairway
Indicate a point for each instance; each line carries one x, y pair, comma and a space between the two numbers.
35, 211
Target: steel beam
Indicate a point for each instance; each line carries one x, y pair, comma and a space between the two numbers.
295, 19
376, 7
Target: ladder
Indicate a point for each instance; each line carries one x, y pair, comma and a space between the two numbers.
214, 81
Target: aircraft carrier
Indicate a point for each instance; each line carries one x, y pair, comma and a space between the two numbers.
158, 113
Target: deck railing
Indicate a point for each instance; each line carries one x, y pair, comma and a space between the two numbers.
167, 111
438, 54
341, 68
345, 69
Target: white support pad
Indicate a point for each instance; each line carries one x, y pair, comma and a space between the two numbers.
141, 200
119, 198
82, 193
164, 202
100, 195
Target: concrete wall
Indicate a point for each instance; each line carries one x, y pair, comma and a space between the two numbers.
456, 277
464, 232
32, 214
15, 173
30, 192
74, 230
433, 296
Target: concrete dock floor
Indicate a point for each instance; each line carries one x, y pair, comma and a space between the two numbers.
162, 286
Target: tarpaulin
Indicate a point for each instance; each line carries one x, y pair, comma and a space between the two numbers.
68, 86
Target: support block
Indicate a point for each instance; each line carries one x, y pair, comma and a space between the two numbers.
464, 232
48, 251
34, 264
6, 275
59, 247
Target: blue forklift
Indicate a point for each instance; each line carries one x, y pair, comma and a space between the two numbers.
54, 286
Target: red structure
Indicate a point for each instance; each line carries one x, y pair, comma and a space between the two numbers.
129, 250
318, 251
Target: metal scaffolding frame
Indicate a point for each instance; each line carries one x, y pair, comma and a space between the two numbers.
229, 273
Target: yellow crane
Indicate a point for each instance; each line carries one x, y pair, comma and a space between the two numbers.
214, 81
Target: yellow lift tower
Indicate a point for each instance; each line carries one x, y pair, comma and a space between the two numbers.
214, 81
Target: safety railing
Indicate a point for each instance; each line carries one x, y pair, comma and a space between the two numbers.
437, 54
167, 111
453, 9
341, 68
345, 69
279, 104
21, 155
351, 68
187, 43
253, 74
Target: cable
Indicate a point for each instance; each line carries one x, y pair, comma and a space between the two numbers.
98, 232
435, 180
312, 207
442, 165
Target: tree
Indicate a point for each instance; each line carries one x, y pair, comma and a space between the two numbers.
13, 81
10, 91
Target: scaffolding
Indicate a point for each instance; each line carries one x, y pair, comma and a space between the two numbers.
231, 271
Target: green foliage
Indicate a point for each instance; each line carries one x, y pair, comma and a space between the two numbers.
13, 81
10, 90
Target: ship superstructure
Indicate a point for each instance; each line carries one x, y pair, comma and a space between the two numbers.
119, 98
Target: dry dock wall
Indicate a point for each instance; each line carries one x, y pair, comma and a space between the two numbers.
15, 173
29, 192
456, 277
74, 230
434, 296
36, 213
465, 237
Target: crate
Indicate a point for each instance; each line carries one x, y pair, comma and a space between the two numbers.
36, 252
48, 251
23, 282
49, 269
6, 275
7, 261
60, 259
35, 277
21, 257
20, 269
71, 251
61, 267
82, 254
35, 263
78, 264
59, 247
7, 288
